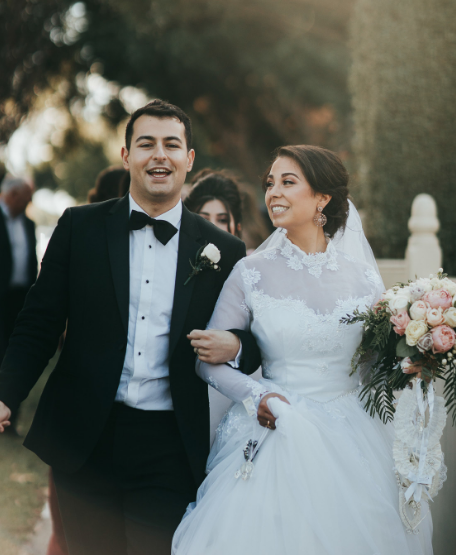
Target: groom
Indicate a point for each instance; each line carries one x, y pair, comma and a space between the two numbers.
124, 420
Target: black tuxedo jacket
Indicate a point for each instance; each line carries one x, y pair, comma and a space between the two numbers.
84, 279
6, 259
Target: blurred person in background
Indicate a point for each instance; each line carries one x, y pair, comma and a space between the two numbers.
216, 197
124, 185
107, 185
18, 261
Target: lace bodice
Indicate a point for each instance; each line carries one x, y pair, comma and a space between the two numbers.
292, 302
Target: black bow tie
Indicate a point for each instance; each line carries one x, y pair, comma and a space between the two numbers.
164, 231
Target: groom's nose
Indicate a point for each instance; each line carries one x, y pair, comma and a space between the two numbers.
159, 152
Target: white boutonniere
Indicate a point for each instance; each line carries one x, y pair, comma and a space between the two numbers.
208, 258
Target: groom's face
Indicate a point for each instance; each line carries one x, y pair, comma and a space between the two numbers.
158, 159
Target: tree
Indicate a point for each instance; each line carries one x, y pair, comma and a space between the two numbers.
403, 82
253, 75
31, 57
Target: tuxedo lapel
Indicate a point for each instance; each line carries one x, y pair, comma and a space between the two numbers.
189, 243
118, 236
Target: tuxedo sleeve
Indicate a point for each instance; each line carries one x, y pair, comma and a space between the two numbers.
41, 322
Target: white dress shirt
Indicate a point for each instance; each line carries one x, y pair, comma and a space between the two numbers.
144, 383
17, 234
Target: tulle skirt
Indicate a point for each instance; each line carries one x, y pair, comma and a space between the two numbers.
323, 484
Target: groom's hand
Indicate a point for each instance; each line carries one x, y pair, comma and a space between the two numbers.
214, 346
5, 415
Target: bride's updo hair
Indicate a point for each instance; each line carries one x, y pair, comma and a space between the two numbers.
326, 174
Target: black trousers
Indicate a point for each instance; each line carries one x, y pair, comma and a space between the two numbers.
133, 491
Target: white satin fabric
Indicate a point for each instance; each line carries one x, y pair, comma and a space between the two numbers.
323, 482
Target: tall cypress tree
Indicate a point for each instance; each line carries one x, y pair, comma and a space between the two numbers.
403, 81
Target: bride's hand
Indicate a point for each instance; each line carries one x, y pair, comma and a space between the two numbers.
265, 416
5, 415
214, 346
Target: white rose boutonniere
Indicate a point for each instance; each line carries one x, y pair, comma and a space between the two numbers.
207, 258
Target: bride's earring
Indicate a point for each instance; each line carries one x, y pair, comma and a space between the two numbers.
320, 219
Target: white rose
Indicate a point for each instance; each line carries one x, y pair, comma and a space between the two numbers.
450, 317
435, 282
418, 310
434, 316
388, 295
398, 302
212, 253
415, 329
447, 284
425, 283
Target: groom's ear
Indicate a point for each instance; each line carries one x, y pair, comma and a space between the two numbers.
190, 160
125, 158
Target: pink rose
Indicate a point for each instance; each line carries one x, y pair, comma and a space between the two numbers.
400, 321
440, 298
443, 338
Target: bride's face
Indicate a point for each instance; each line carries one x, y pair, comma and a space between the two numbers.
291, 201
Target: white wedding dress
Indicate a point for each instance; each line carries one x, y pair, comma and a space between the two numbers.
323, 482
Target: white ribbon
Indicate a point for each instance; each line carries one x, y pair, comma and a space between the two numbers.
421, 482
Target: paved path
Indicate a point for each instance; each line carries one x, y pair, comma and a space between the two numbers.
37, 545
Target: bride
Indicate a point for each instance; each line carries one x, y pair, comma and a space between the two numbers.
323, 481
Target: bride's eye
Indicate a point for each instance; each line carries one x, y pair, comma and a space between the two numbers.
288, 182
269, 184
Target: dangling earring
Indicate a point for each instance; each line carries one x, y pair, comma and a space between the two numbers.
320, 219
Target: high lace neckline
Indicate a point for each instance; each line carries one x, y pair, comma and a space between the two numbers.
297, 259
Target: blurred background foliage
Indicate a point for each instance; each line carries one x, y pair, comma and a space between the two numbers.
253, 75
404, 82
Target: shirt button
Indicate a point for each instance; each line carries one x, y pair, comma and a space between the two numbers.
142, 317
150, 246
147, 281
139, 354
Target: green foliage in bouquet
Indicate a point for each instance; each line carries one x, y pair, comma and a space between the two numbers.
381, 349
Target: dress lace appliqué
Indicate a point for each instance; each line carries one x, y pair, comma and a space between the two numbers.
297, 259
270, 254
251, 277
319, 332
373, 277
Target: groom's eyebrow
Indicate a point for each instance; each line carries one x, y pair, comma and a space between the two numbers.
150, 138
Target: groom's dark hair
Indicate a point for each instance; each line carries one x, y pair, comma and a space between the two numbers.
160, 109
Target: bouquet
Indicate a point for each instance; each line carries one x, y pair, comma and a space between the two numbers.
408, 343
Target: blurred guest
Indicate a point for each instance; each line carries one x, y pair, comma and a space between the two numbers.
216, 197
18, 262
124, 185
107, 184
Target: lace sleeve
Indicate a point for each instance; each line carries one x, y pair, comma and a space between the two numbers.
232, 311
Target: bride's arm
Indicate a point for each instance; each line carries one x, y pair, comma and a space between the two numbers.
232, 311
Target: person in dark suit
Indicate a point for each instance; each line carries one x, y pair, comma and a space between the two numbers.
123, 420
18, 263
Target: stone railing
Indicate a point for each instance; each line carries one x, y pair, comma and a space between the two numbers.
423, 255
